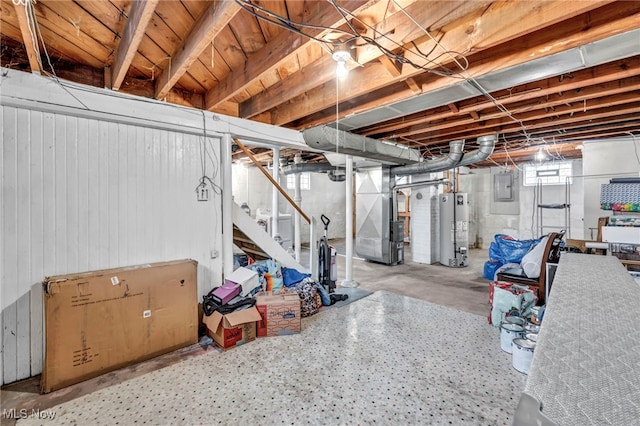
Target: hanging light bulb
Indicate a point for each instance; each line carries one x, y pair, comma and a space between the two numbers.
341, 55
541, 155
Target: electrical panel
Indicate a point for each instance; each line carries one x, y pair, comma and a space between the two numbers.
503, 187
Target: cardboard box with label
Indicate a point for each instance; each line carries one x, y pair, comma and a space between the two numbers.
100, 321
233, 329
280, 313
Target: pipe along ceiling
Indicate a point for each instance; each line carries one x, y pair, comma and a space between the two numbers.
330, 139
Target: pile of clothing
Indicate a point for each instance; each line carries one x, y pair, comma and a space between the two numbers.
275, 277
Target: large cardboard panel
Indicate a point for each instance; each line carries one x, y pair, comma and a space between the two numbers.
100, 321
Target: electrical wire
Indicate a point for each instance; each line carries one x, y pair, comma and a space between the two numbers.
287, 23
397, 57
635, 146
351, 36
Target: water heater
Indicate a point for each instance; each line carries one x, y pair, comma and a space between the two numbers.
454, 229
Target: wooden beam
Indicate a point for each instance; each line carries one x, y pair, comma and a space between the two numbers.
534, 123
518, 17
606, 75
323, 69
139, 16
512, 133
529, 112
394, 67
30, 43
271, 179
413, 85
474, 115
453, 108
205, 30
280, 50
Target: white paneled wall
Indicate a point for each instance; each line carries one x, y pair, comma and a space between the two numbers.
82, 194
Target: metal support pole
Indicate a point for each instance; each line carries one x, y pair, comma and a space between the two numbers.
275, 196
297, 197
313, 249
348, 281
227, 205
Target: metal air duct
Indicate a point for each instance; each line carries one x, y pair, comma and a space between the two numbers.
327, 139
442, 163
487, 144
307, 167
337, 175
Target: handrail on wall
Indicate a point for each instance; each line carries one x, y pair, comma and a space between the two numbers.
271, 179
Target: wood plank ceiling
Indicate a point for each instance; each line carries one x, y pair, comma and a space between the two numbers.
271, 61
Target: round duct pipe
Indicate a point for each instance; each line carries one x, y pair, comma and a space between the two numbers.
487, 144
439, 164
327, 138
337, 175
307, 167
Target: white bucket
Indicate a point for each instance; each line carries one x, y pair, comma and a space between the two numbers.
532, 328
522, 354
514, 320
531, 336
508, 332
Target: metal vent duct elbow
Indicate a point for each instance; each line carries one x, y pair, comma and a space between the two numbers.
327, 139
438, 165
487, 144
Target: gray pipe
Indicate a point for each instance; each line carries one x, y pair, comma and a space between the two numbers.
307, 167
444, 162
487, 144
336, 177
327, 138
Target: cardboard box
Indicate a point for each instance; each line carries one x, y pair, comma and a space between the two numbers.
247, 278
227, 291
96, 322
280, 313
232, 329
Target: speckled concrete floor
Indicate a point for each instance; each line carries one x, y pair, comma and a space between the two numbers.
384, 359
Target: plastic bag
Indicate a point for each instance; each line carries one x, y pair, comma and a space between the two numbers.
270, 274
291, 276
510, 250
490, 268
515, 300
532, 261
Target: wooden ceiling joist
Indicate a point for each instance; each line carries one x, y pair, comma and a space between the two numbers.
28, 35
220, 56
139, 17
533, 123
584, 81
204, 32
280, 50
323, 70
602, 95
571, 33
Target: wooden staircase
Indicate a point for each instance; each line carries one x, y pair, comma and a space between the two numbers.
246, 244
255, 242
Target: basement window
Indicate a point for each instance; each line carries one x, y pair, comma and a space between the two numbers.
305, 181
553, 173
